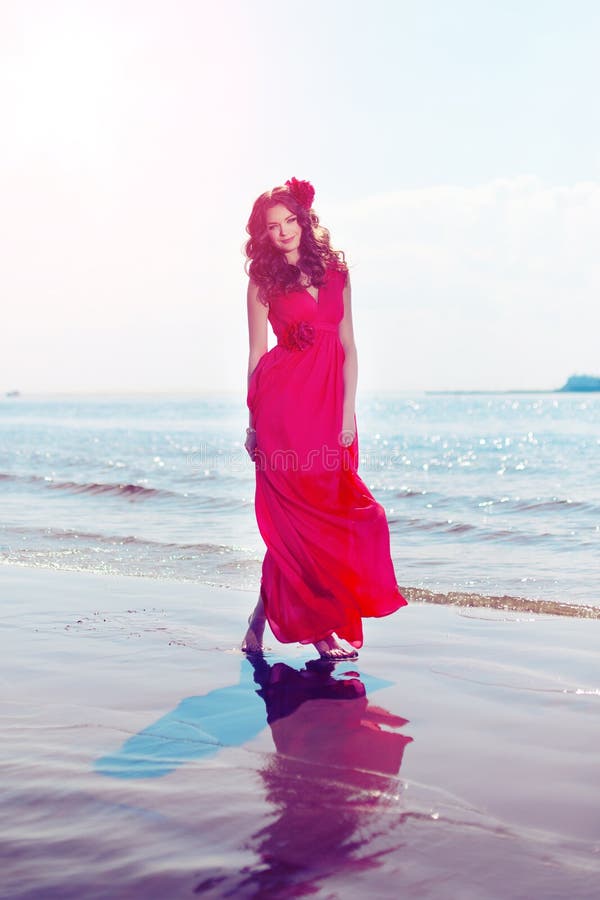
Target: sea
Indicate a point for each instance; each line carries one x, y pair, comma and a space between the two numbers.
491, 495
143, 755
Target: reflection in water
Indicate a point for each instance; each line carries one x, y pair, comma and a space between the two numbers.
315, 717
336, 765
197, 728
201, 726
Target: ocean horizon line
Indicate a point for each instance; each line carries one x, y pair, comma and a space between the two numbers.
231, 392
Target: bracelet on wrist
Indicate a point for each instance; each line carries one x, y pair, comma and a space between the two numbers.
250, 430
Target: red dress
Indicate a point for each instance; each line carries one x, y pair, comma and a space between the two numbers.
328, 562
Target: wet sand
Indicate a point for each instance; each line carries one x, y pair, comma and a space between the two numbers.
144, 756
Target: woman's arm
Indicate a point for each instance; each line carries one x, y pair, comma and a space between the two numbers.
350, 368
257, 330
257, 336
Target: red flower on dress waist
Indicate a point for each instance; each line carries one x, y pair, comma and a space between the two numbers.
303, 191
298, 336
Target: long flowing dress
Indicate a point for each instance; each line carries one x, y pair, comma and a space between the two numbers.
327, 563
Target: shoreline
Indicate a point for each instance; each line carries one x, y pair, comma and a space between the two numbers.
507, 602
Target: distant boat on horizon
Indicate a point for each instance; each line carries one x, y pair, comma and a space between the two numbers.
12, 393
582, 383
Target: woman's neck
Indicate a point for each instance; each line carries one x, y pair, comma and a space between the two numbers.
293, 257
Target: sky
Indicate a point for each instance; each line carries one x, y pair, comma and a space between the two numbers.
454, 149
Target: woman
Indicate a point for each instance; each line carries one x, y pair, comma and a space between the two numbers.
328, 562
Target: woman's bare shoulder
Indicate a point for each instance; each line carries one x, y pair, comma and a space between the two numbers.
340, 272
254, 293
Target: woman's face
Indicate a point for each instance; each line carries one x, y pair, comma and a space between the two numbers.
284, 229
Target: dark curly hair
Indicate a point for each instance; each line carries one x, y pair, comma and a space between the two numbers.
267, 266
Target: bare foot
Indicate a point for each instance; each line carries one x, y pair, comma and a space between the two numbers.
253, 640
330, 649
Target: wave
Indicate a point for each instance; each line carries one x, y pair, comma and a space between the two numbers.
127, 490
90, 487
557, 503
403, 525
504, 504
64, 534
505, 602
434, 500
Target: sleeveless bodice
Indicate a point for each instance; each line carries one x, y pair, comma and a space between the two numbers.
325, 313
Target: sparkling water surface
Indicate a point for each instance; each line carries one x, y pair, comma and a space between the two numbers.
485, 493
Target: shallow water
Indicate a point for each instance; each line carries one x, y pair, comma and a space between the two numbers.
143, 756
485, 494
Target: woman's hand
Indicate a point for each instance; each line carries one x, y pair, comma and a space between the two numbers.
250, 443
348, 432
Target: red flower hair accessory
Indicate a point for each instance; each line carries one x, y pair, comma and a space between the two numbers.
298, 336
302, 191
